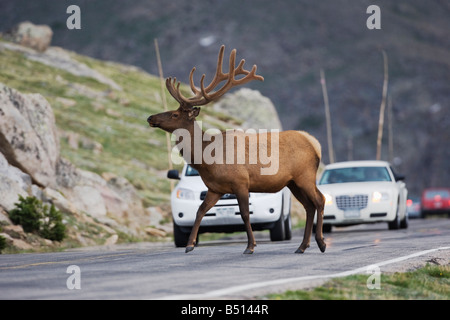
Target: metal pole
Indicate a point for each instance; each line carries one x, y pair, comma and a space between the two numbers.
327, 116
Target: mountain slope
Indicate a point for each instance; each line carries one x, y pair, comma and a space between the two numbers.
291, 41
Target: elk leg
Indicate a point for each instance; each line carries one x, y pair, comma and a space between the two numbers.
209, 202
316, 202
310, 212
320, 199
242, 198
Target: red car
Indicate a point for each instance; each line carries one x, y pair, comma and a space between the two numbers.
436, 200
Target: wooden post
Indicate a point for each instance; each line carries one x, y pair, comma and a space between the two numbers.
327, 116
390, 131
164, 101
382, 107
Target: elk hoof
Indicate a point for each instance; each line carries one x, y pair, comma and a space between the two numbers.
248, 251
322, 246
302, 248
189, 249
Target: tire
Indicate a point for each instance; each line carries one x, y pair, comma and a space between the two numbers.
180, 238
288, 228
404, 222
277, 232
326, 228
395, 224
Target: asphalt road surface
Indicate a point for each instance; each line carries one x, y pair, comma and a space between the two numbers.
217, 269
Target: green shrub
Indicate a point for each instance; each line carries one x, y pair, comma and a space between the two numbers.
34, 216
28, 213
2, 243
52, 227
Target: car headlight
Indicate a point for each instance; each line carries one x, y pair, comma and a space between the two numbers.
378, 196
185, 194
328, 199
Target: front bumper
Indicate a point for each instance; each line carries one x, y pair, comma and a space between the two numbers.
265, 208
374, 212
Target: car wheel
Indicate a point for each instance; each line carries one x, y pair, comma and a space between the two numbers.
326, 228
288, 228
404, 222
180, 237
277, 232
395, 224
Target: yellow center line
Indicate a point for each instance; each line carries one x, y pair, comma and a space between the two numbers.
63, 262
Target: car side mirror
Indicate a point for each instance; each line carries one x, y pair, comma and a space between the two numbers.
173, 174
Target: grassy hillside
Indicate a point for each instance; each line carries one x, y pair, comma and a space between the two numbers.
102, 129
290, 41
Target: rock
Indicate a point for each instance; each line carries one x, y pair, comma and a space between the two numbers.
9, 239
155, 216
66, 102
257, 111
4, 217
37, 37
15, 231
17, 243
21, 244
128, 194
30, 165
112, 240
82, 188
28, 136
75, 141
155, 232
92, 194
59, 201
13, 182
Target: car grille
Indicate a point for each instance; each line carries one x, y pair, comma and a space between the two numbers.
358, 202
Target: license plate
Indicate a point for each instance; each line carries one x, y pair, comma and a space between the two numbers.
221, 212
351, 214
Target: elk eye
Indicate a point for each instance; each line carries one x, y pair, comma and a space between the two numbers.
174, 115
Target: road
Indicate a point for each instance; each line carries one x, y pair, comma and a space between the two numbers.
217, 269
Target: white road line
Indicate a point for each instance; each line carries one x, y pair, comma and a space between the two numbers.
246, 287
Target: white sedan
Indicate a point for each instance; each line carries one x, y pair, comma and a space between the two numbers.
267, 210
359, 192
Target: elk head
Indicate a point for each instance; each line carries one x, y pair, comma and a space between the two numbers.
189, 107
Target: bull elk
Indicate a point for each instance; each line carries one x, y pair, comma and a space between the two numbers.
298, 158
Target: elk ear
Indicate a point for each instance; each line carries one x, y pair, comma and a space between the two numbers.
193, 113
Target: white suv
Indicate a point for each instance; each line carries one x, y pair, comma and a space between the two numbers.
267, 210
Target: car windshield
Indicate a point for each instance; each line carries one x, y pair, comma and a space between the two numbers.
355, 174
191, 172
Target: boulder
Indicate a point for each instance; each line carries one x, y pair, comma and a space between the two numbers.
13, 182
81, 188
255, 110
28, 136
110, 195
37, 37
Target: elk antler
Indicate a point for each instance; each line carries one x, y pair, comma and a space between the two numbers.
203, 95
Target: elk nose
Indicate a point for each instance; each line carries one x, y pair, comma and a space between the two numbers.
149, 119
